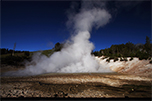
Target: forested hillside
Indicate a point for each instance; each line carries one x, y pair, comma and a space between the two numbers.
142, 51
15, 57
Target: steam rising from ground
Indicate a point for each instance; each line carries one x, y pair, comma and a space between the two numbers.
75, 56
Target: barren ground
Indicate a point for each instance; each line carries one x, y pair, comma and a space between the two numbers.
77, 85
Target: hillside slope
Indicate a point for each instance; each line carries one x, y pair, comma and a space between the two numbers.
135, 66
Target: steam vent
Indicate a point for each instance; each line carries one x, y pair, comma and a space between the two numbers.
76, 49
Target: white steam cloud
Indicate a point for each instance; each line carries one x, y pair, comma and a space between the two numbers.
75, 56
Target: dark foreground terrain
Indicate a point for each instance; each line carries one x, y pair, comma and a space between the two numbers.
80, 85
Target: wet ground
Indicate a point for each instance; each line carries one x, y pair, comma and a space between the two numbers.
80, 85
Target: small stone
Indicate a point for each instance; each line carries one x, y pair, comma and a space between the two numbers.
66, 94
36, 95
25, 92
61, 92
13, 96
56, 95
8, 95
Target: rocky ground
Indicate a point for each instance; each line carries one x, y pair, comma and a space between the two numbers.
133, 82
94, 85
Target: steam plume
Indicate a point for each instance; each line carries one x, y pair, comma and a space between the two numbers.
75, 55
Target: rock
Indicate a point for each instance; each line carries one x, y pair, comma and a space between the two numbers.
22, 92
10, 90
61, 93
4, 95
25, 92
14, 92
36, 95
66, 94
8, 95
55, 95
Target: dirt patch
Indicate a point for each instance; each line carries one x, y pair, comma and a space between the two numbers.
82, 85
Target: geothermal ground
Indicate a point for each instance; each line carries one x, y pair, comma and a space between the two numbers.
79, 85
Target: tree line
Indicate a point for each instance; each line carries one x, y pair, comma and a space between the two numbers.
142, 51
6, 51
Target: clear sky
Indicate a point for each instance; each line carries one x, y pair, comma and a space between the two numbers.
39, 25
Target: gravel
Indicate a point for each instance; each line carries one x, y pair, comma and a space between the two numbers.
38, 87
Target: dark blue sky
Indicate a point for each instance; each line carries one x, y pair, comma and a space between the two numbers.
40, 25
